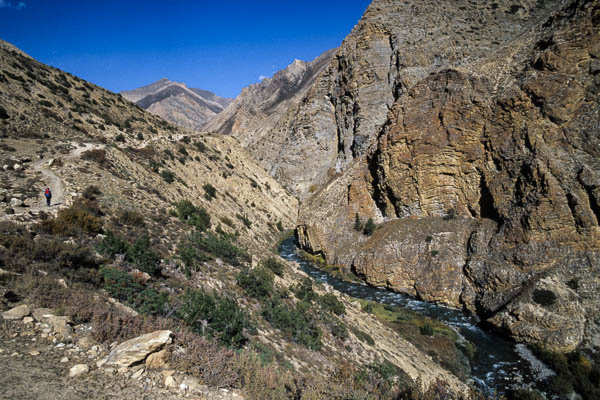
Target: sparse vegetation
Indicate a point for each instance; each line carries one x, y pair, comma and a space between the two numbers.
210, 192
369, 227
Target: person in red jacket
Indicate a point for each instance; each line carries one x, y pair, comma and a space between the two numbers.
48, 195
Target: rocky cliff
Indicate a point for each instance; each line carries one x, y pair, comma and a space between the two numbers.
471, 136
176, 103
255, 112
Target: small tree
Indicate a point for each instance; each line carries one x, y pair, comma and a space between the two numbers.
358, 226
369, 227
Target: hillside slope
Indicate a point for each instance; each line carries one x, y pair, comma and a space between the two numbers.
155, 227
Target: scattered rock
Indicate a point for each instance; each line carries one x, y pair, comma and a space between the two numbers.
170, 382
137, 374
39, 313
157, 360
137, 349
64, 360
34, 353
27, 320
17, 167
78, 369
16, 313
14, 202
60, 325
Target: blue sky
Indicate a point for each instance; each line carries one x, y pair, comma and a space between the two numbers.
220, 46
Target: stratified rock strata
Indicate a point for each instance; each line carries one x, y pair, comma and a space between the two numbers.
485, 171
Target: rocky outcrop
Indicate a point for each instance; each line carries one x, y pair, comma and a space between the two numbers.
484, 176
258, 109
176, 103
138, 349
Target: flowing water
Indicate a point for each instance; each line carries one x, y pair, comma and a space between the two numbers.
497, 363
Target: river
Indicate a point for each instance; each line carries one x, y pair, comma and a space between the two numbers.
497, 364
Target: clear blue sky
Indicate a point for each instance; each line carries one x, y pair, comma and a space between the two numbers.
220, 46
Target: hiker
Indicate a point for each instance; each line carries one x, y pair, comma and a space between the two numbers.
48, 195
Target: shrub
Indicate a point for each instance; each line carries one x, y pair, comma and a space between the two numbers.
369, 227
197, 217
247, 223
112, 245
544, 297
215, 316
83, 215
450, 214
304, 291
273, 265
183, 151
209, 191
140, 136
296, 320
91, 192
330, 303
168, 176
131, 218
96, 155
143, 257
201, 147
120, 138
358, 226
200, 247
280, 226
426, 330
363, 336
257, 282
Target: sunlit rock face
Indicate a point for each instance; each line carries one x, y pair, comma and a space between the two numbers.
477, 149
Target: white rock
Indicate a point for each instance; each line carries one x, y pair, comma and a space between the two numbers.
183, 387
137, 374
64, 360
78, 369
27, 320
137, 349
17, 312
170, 382
34, 353
17, 167
14, 202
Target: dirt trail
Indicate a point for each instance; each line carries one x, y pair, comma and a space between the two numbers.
53, 181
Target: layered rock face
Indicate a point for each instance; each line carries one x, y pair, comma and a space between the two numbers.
176, 103
255, 112
485, 174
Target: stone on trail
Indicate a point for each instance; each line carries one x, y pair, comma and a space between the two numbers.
78, 369
16, 313
137, 349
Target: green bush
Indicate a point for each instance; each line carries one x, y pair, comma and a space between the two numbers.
273, 265
358, 226
120, 138
426, 330
280, 226
209, 191
143, 257
256, 282
123, 287
201, 147
369, 227
112, 245
197, 217
183, 151
304, 291
215, 316
297, 321
330, 302
200, 247
168, 176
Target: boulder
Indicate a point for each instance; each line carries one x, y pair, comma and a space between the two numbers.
136, 350
78, 369
14, 202
60, 325
39, 313
17, 167
157, 360
16, 313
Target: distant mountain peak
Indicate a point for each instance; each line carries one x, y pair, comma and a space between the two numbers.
177, 103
